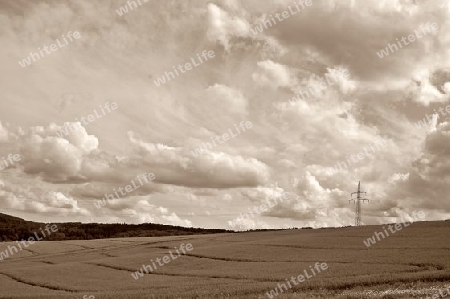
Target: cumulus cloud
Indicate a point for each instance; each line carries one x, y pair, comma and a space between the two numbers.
317, 29
3, 133
424, 92
37, 201
227, 99
211, 169
143, 211
241, 224
52, 157
222, 26
398, 177
262, 194
272, 74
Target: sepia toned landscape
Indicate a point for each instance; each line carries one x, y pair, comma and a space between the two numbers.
197, 149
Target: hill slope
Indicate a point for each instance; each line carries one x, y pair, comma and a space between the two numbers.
16, 229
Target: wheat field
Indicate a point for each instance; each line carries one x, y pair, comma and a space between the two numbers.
413, 262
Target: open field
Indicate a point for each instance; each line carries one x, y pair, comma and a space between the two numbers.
410, 263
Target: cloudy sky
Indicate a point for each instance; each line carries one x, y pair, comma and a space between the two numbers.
291, 147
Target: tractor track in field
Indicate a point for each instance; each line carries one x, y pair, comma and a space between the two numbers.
40, 285
185, 275
244, 260
36, 256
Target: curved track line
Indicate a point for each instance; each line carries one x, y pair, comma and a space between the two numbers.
99, 249
33, 284
285, 261
184, 275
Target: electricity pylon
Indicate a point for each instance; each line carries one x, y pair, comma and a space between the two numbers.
358, 200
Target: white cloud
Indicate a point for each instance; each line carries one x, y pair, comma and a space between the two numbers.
423, 92
272, 74
226, 98
222, 26
3, 133
398, 177
243, 224
55, 158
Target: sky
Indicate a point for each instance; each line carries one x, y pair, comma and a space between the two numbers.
289, 148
